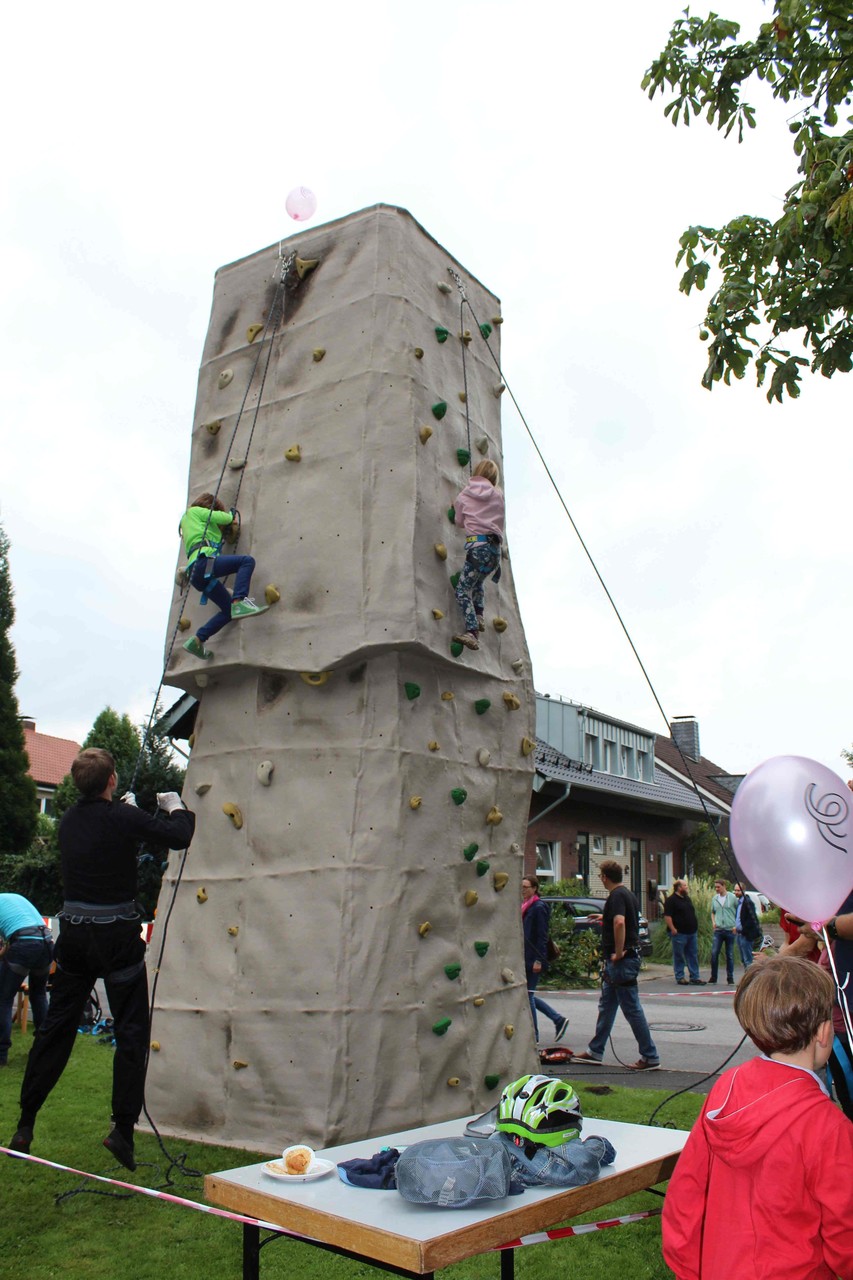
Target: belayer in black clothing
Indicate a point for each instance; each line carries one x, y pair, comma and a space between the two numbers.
99, 937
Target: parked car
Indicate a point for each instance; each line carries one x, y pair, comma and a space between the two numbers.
582, 909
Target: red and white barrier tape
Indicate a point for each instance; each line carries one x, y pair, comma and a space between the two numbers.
560, 1233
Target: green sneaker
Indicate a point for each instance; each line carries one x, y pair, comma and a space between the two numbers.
196, 648
247, 608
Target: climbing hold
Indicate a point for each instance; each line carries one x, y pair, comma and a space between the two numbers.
233, 930
454, 580
412, 690
481, 948
469, 851
478, 1002
236, 464
202, 680
438, 614
294, 453
463, 397
439, 409
253, 331
201, 895
444, 287
191, 741
453, 1081
485, 330
441, 1026
415, 802
515, 847
181, 578
527, 745
226, 376
451, 514
447, 696
272, 595
317, 354
453, 971
456, 648
432, 746
491, 1081
424, 928
483, 756
155, 1046
463, 457
500, 880
481, 706
265, 771
482, 866
419, 353
231, 811
499, 624
494, 816
498, 389
239, 1065
507, 976
512, 701
315, 678
466, 336
458, 795
184, 624
425, 433
213, 427
509, 1031
440, 550
202, 788
304, 265
483, 444
471, 898
497, 319
441, 333
518, 666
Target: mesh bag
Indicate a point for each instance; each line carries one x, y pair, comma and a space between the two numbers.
453, 1173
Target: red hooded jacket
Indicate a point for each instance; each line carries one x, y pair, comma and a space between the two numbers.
764, 1186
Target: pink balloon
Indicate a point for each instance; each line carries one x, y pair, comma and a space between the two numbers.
301, 204
792, 833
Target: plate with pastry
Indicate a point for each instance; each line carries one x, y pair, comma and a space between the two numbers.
298, 1164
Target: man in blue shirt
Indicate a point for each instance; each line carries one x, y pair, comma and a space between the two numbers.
26, 954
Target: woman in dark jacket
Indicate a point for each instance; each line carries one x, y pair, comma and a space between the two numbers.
535, 919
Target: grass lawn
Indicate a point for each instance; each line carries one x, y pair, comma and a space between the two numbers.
140, 1238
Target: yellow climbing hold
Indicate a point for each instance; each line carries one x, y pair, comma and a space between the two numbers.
463, 397
225, 377
512, 700
494, 816
497, 319
507, 975
233, 930
518, 666
483, 756
444, 287
315, 678
453, 1081
466, 336
184, 624
191, 741
202, 788
419, 353
304, 265
201, 895
317, 354
294, 453
500, 624
482, 444
498, 390
438, 614
471, 897
527, 746
425, 433
478, 1002
515, 847
447, 696
433, 746
415, 802
425, 928
440, 550
509, 1031
272, 595
265, 772
236, 464
253, 331
213, 427
239, 1065
232, 811
155, 1046
500, 880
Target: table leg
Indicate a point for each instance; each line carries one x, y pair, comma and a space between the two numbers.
251, 1251
507, 1264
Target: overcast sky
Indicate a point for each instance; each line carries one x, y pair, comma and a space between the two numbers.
146, 147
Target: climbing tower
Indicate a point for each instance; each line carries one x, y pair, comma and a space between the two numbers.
344, 956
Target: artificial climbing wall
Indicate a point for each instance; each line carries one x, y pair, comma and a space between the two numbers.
344, 957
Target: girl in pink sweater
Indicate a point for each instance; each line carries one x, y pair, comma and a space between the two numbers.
480, 512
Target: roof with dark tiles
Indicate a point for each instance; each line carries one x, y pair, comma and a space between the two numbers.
704, 772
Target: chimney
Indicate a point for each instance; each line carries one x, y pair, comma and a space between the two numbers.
685, 733
27, 722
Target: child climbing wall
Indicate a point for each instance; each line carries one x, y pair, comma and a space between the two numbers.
344, 956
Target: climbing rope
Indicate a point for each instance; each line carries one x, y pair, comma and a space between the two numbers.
463, 299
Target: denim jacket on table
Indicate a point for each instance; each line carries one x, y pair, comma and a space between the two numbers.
572, 1164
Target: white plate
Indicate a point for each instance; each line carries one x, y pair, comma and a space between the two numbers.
318, 1169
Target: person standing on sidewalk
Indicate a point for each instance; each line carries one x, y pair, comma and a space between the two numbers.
680, 917
620, 939
723, 916
747, 928
535, 921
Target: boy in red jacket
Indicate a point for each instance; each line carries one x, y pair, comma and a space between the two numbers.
763, 1188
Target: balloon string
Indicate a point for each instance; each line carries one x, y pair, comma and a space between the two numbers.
840, 987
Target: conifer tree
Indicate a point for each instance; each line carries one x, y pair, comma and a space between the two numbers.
18, 802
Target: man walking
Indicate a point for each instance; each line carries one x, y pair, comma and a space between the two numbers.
723, 916
747, 928
99, 937
680, 917
620, 937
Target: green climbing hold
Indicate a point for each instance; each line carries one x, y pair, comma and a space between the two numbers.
453, 971
451, 514
485, 330
441, 333
439, 410
412, 690
454, 580
459, 795
469, 851
464, 457
456, 648
482, 867
481, 706
481, 948
491, 1082
440, 1027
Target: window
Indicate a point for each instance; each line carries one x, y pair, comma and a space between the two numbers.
665, 869
628, 762
591, 750
609, 756
548, 859
644, 766
583, 857
597, 844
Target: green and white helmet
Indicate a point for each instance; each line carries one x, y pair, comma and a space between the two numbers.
540, 1109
